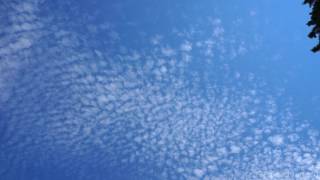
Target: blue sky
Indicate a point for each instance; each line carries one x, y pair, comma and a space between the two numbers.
158, 90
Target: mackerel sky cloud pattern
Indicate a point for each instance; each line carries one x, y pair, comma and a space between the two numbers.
103, 93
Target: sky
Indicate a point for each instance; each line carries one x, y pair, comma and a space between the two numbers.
96, 90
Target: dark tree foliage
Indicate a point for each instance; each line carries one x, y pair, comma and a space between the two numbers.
314, 21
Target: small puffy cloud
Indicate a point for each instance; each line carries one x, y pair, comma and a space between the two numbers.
187, 46
199, 172
21, 44
235, 149
156, 39
276, 140
134, 56
216, 21
253, 13
25, 7
218, 31
167, 51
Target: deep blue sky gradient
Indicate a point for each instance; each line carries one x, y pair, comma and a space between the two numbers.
149, 89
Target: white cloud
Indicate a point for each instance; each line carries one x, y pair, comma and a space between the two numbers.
153, 109
156, 39
167, 51
199, 172
276, 140
253, 13
26, 7
187, 46
218, 31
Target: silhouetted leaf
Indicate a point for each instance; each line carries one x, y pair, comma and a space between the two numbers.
314, 21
